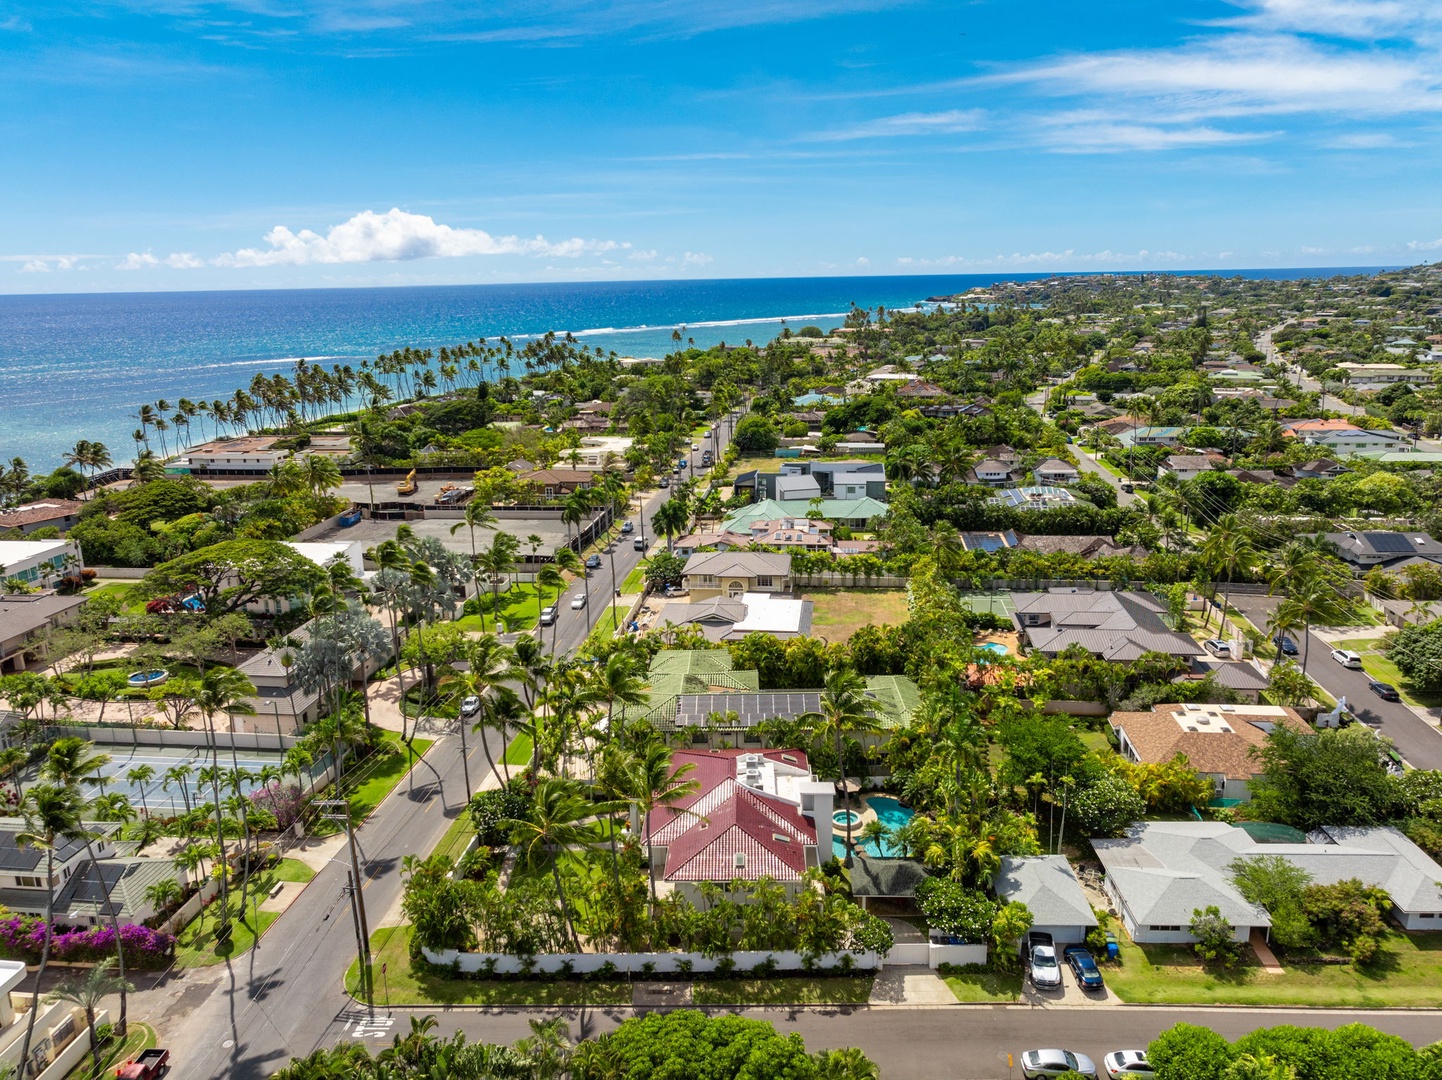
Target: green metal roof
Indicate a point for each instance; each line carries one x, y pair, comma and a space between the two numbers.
864, 508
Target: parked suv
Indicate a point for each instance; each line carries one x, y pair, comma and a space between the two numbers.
1347, 658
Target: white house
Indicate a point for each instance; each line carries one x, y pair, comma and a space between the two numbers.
1369, 377
37, 562
1342, 437
1056, 471
994, 473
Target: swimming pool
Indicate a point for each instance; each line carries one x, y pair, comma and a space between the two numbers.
994, 647
891, 814
845, 817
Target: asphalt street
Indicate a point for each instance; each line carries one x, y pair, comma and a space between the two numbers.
1417, 740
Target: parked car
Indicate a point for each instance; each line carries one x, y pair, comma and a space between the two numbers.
695, 446
578, 601
548, 615
1056, 1062
1385, 691
1285, 645
593, 562
1347, 658
470, 705
1044, 970
665, 482
1218, 647
1128, 1063
627, 527
1088, 975
639, 544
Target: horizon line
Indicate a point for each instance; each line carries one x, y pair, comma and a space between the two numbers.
998, 276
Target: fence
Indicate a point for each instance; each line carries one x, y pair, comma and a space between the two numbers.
191, 908
120, 573
831, 579
658, 963
115, 734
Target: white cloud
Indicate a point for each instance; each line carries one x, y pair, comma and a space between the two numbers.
1358, 20
183, 260
1364, 140
948, 122
137, 261
393, 237
1423, 245
43, 264
695, 258
643, 256
863, 261
1093, 132
35, 266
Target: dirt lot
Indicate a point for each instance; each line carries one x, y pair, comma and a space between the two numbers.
839, 613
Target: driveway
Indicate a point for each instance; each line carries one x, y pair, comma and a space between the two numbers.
1415, 734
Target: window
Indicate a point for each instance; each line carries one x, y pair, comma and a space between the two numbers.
1173, 929
29, 882
1428, 915
763, 582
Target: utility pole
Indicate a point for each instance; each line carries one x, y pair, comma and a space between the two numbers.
358, 903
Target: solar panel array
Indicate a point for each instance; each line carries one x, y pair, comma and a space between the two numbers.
1389, 543
693, 709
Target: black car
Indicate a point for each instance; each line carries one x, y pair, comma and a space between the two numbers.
1385, 691
1285, 645
1088, 975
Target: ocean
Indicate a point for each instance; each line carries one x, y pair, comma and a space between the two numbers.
77, 366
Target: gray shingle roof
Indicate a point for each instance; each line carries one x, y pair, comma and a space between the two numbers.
1049, 889
885, 877
740, 563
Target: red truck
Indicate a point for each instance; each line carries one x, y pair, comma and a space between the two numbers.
148, 1066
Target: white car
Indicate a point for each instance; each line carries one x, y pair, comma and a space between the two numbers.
1218, 647
1045, 971
1036, 1063
470, 705
548, 615
1120, 1064
1347, 658
578, 601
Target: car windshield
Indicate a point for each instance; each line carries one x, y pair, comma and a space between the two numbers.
1043, 959
1071, 1061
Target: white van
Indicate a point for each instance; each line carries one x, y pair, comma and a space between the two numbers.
1347, 658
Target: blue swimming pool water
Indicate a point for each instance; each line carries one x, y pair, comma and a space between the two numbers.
994, 647
891, 814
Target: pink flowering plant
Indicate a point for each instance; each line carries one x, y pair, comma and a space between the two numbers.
284, 803
23, 936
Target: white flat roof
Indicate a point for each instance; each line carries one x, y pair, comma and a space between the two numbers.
322, 552
770, 614
13, 551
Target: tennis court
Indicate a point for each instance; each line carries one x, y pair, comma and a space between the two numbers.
165, 797
995, 602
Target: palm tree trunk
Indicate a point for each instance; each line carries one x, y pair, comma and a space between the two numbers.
561, 896
44, 957
90, 1025
120, 1026
845, 799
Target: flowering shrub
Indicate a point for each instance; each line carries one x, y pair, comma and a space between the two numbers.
283, 803
22, 937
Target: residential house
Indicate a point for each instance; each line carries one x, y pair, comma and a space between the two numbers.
1218, 740
988, 541
1320, 469
1050, 891
42, 514
1035, 497
801, 533
249, 454
1263, 476
281, 703
1056, 471
1190, 466
1342, 436
24, 619
836, 480
1368, 378
1242, 677
753, 814
1364, 550
861, 442
993, 473
79, 897
853, 513
1118, 626
732, 574
38, 562
323, 554
1087, 547
919, 391
895, 880
727, 619
553, 483
1402, 613
797, 487
1151, 436
1163, 871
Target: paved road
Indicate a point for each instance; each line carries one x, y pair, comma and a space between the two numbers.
1417, 740
1086, 463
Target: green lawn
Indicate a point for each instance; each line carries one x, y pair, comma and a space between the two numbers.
519, 752
457, 838
404, 985
375, 777
606, 625
635, 580
517, 609
120, 589
195, 946
1408, 975
992, 986
839, 613
114, 1053
802, 990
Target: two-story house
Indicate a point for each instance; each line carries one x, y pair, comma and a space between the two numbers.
732, 574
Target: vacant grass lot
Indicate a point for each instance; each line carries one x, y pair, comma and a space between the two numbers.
993, 986
839, 613
403, 984
803, 990
1408, 974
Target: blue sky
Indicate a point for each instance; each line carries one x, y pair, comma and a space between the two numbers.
178, 144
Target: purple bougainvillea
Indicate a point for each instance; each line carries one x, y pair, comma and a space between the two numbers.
285, 802
22, 937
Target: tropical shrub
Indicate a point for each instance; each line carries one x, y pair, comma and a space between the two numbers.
22, 937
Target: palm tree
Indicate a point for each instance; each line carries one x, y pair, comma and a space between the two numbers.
477, 515
320, 474
51, 814
496, 562
848, 1064
164, 893
12, 760
649, 782
844, 710
179, 775
671, 517
98, 985
1228, 551
557, 824
140, 776
222, 690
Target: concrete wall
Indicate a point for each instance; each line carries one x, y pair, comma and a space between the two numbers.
122, 734
832, 579
664, 963
191, 908
120, 573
